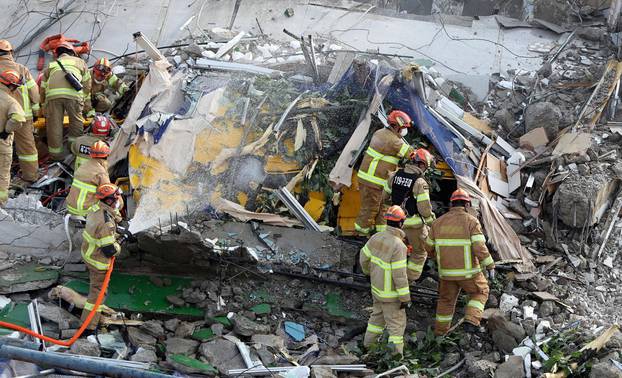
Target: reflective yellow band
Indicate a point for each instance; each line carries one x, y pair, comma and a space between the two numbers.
387, 187
30, 84
371, 328
363, 230
423, 197
122, 89
405, 147
79, 161
50, 93
467, 273
444, 318
366, 251
400, 264
487, 261
378, 156
372, 179
36, 107
478, 238
55, 150
112, 80
90, 306
30, 158
84, 186
384, 293
429, 242
415, 267
396, 339
452, 242
381, 227
413, 221
478, 305
18, 117
403, 291
4, 195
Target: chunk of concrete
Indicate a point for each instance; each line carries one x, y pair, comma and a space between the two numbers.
245, 327
605, 369
85, 348
543, 114
512, 368
139, 338
223, 354
176, 345
153, 328
144, 355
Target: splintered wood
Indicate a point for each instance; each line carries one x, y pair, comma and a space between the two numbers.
597, 102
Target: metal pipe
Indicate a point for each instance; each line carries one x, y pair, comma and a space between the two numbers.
74, 362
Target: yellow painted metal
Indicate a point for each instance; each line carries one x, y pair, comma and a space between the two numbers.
315, 205
349, 207
447, 173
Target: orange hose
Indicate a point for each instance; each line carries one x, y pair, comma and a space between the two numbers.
98, 302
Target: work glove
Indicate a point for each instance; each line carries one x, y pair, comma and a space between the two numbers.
126, 235
4, 135
491, 274
405, 305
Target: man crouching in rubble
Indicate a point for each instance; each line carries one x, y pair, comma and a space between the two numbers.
383, 258
100, 244
457, 242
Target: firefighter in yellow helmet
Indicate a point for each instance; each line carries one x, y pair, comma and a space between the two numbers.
100, 130
89, 176
385, 150
103, 78
100, 243
459, 246
11, 118
65, 88
383, 258
27, 94
408, 188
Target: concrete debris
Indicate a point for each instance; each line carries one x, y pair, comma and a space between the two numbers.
245, 327
85, 348
543, 114
177, 345
139, 338
223, 354
144, 355
512, 368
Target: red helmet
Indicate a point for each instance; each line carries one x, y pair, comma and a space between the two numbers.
107, 190
101, 126
421, 155
10, 77
99, 150
395, 213
64, 46
460, 195
102, 69
399, 118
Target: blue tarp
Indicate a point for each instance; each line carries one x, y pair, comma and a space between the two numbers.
405, 98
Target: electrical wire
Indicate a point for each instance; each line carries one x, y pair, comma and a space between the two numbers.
85, 324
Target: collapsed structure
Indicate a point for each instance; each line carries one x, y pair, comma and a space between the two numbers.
240, 151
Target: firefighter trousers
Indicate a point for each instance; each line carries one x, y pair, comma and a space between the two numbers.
477, 291
369, 213
26, 150
6, 158
96, 281
416, 238
55, 111
387, 315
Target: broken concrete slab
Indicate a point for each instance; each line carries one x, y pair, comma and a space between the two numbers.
153, 328
573, 143
223, 354
26, 277
543, 114
58, 315
139, 338
512, 368
245, 327
177, 345
85, 348
534, 139
145, 355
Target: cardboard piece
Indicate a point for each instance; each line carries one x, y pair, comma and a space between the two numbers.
477, 123
534, 139
573, 143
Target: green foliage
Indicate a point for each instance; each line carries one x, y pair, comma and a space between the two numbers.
564, 354
424, 355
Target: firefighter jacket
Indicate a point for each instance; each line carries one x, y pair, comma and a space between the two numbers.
383, 258
55, 85
382, 156
81, 149
100, 231
113, 82
408, 189
11, 118
86, 179
457, 242
26, 94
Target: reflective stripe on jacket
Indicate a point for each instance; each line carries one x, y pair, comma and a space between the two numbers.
28, 93
81, 148
11, 118
55, 85
383, 258
421, 194
457, 242
381, 157
100, 231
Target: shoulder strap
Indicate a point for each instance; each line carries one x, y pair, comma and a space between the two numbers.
61, 65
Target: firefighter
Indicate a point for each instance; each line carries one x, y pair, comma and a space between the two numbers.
28, 96
408, 188
91, 174
457, 242
103, 78
81, 148
385, 150
383, 258
59, 96
11, 118
100, 244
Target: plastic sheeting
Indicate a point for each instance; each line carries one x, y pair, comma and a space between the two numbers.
446, 143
